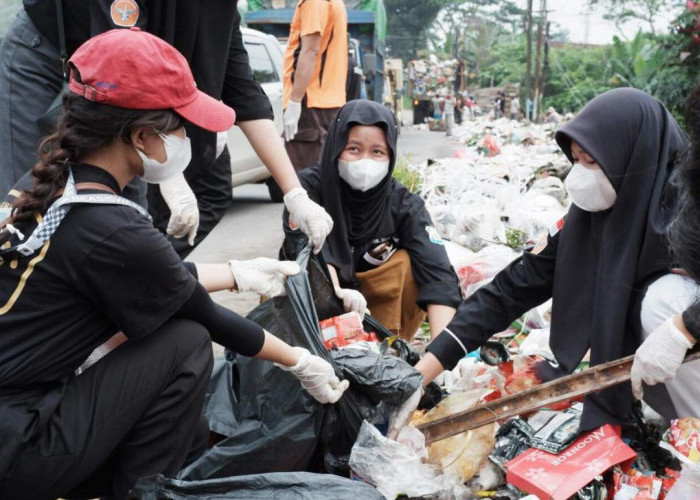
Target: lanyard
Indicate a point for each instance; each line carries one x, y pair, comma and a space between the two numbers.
58, 211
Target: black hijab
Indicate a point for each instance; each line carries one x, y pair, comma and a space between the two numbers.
358, 216
605, 259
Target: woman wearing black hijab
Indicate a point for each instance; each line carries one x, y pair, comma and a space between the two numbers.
383, 251
597, 262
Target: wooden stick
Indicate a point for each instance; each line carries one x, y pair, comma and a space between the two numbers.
579, 384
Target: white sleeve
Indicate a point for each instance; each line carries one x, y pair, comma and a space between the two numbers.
669, 295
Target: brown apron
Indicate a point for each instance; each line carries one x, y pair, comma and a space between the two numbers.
391, 294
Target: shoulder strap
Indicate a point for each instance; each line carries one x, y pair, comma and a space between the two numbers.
55, 214
49, 224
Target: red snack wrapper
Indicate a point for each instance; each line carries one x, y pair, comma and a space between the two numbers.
343, 330
683, 439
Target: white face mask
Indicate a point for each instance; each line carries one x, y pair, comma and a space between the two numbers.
590, 189
178, 152
363, 174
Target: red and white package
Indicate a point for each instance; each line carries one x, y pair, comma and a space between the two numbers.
682, 439
558, 477
343, 330
633, 485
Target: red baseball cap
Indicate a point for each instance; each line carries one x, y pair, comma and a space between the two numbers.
132, 69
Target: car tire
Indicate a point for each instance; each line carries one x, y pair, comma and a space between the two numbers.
276, 194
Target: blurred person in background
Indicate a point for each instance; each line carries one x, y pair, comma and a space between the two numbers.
315, 76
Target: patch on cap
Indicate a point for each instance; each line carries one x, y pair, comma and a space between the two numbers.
125, 13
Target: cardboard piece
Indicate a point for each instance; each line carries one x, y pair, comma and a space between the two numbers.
558, 477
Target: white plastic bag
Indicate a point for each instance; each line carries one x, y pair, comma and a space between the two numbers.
688, 485
483, 266
395, 468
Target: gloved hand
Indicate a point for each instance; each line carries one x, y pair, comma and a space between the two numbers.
221, 138
659, 357
184, 213
352, 300
402, 415
317, 377
291, 119
311, 218
262, 275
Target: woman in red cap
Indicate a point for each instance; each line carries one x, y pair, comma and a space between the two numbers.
79, 264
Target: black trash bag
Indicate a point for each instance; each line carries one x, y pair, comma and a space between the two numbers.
270, 422
269, 427
382, 378
287, 485
378, 383
221, 397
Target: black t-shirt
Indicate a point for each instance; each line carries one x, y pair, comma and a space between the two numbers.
414, 232
207, 33
106, 269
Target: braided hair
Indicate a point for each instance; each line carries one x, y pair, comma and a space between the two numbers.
84, 127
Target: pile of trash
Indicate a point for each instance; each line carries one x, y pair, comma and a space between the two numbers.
426, 75
500, 193
540, 454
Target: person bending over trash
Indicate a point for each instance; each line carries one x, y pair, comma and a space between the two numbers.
674, 303
605, 264
383, 252
79, 263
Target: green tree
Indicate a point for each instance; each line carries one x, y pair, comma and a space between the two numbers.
623, 11
636, 63
407, 25
577, 74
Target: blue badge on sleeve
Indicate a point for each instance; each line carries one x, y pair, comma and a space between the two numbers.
434, 235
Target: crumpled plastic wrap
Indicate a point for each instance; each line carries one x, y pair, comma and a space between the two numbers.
395, 468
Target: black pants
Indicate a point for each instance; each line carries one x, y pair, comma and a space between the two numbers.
306, 147
136, 412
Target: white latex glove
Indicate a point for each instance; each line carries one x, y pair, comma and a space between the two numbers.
402, 415
352, 300
659, 357
221, 138
317, 377
184, 213
309, 216
291, 119
262, 275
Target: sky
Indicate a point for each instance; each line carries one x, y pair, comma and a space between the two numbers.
592, 28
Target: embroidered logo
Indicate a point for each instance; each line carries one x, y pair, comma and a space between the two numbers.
125, 13
434, 235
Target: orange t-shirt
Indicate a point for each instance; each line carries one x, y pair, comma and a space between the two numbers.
330, 20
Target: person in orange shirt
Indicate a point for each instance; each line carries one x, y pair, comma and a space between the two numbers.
315, 70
